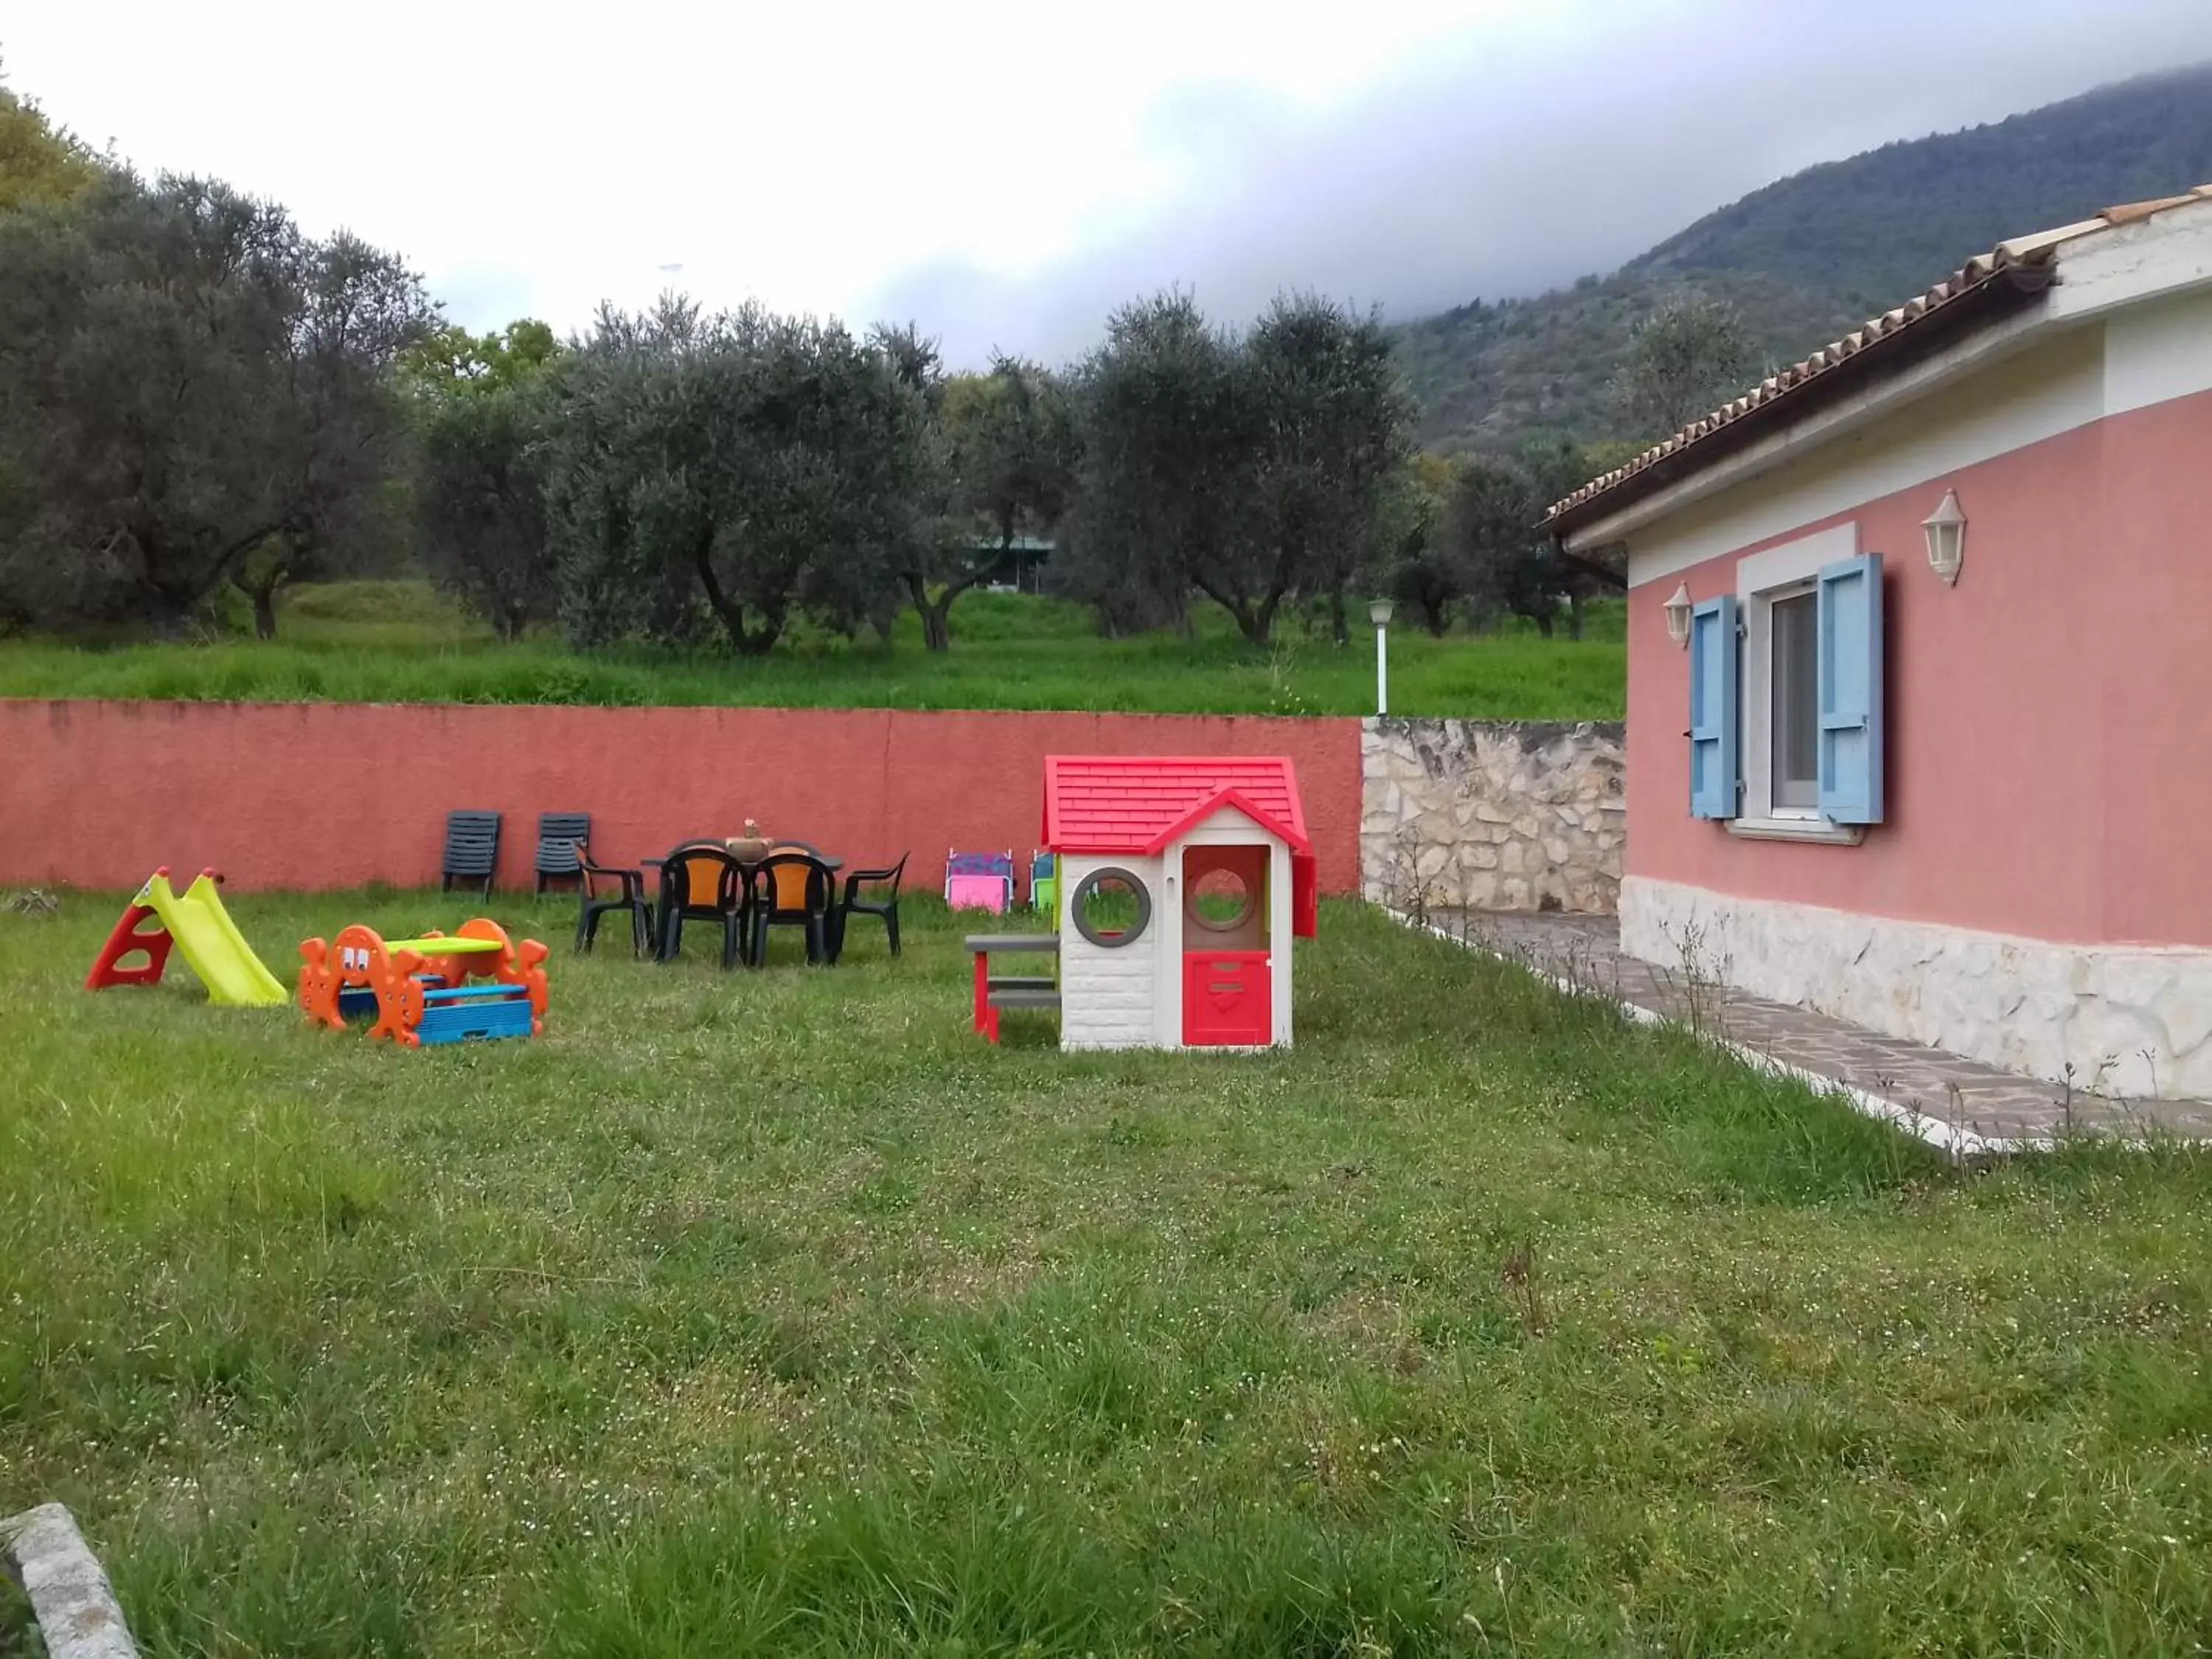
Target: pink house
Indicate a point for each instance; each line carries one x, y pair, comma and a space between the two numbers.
1920, 666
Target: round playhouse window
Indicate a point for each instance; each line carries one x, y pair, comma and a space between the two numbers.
1110, 908
1219, 900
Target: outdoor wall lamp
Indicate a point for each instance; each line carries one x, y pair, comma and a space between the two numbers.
1678, 615
1947, 538
1379, 614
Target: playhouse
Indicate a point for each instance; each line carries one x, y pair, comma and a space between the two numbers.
1181, 880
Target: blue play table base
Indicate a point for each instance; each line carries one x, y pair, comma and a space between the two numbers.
459, 1013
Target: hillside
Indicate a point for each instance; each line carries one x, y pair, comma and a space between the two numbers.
1805, 259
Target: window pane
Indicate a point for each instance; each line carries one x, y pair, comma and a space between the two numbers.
1797, 692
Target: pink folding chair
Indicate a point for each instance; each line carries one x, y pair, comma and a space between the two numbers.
979, 881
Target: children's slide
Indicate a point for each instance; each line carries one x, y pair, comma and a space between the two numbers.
196, 923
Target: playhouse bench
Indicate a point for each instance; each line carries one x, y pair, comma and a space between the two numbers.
997, 992
1023, 996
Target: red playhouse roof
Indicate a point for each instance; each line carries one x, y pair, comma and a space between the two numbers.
1140, 803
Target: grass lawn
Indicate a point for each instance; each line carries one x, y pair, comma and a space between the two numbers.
19, 1626
400, 642
775, 1314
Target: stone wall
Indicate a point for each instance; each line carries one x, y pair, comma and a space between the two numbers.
1493, 814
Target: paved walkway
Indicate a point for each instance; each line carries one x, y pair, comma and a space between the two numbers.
1950, 1101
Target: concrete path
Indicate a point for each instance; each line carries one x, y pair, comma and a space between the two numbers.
1957, 1103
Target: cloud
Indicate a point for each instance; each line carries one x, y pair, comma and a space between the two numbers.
1521, 158
1004, 172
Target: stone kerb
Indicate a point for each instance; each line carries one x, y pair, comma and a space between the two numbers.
77, 1615
1492, 815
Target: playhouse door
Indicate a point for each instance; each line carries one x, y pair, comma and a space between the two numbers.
1228, 972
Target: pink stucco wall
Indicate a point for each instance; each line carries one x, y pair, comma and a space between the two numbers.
321, 795
2050, 772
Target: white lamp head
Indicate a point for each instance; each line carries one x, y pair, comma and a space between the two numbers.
1379, 612
1946, 528
1678, 615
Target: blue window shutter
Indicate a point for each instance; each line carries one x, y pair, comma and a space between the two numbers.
1713, 708
1849, 612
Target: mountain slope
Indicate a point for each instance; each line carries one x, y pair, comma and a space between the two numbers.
1807, 257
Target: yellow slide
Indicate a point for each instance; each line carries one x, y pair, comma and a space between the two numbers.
214, 948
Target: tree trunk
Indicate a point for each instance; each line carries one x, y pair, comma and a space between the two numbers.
759, 644
1543, 621
1254, 625
1574, 615
263, 594
936, 614
936, 623
229, 566
1435, 616
732, 613
1337, 619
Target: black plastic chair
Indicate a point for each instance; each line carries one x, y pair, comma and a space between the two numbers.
700, 882
793, 889
559, 835
594, 901
885, 906
471, 851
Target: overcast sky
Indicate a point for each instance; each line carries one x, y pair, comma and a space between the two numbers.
1004, 174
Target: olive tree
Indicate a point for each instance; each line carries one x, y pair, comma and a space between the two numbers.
737, 468
1423, 575
1011, 446
1336, 425
184, 375
479, 498
39, 162
1167, 475
1254, 469
1490, 533
1688, 357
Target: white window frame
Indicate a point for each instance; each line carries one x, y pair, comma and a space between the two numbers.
1778, 572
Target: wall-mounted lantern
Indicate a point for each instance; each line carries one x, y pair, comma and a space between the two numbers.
1947, 538
1678, 615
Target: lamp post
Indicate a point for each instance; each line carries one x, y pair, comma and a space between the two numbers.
1379, 613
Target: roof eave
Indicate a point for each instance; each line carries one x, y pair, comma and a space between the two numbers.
1232, 799
2012, 285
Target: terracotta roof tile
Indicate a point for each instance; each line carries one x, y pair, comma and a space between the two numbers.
1133, 803
2033, 249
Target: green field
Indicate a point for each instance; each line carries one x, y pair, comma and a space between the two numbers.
774, 1314
399, 641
